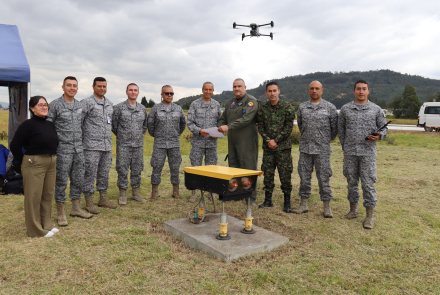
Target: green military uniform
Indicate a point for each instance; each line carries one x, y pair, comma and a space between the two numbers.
240, 116
276, 122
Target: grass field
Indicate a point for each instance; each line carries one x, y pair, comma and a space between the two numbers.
127, 251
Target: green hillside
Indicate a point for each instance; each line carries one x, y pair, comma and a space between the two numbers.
338, 86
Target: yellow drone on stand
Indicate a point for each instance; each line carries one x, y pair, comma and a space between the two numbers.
229, 183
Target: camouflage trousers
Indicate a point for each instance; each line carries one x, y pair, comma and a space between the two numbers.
363, 167
281, 160
97, 166
69, 165
158, 160
323, 173
133, 158
197, 153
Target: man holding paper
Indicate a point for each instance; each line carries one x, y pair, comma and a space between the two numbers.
203, 113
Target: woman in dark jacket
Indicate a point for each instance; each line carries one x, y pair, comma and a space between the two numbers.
38, 138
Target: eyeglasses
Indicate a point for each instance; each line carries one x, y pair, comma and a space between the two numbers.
43, 105
169, 93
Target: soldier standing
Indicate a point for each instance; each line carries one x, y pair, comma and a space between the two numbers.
65, 114
318, 123
357, 120
97, 113
275, 124
166, 122
203, 113
129, 125
239, 120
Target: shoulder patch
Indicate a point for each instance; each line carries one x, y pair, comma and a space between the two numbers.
250, 104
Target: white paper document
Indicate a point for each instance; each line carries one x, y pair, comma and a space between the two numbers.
213, 131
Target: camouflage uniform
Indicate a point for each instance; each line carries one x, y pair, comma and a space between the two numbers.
166, 123
318, 124
241, 116
97, 142
357, 121
203, 115
276, 123
129, 125
70, 159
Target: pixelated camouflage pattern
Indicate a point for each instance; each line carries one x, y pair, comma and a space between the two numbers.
166, 125
69, 165
321, 162
197, 153
203, 115
318, 125
281, 160
129, 124
97, 166
276, 123
363, 167
158, 160
357, 122
129, 158
96, 123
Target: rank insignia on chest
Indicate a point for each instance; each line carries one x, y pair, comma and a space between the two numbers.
233, 105
240, 103
244, 111
250, 104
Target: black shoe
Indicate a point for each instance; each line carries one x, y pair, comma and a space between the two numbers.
267, 200
287, 208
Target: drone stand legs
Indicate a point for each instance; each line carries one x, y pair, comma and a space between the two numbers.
223, 235
248, 220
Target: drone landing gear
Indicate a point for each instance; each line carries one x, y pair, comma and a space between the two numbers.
198, 213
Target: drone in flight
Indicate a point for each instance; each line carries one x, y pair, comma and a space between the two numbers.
254, 30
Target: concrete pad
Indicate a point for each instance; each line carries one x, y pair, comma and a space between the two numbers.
202, 237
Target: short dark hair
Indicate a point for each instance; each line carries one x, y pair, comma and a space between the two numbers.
272, 83
132, 84
166, 86
34, 101
207, 82
69, 78
360, 82
99, 79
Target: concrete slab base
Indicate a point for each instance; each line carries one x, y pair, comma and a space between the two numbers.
202, 237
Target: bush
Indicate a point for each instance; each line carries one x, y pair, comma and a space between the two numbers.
295, 135
3, 135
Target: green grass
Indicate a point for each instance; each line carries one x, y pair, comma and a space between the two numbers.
402, 121
127, 250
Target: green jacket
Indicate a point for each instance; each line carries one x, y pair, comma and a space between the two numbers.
276, 123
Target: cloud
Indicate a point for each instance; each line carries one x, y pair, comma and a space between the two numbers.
185, 43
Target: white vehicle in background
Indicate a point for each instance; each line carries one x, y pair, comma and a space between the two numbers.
429, 116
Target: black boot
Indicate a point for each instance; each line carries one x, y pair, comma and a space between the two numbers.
267, 200
287, 208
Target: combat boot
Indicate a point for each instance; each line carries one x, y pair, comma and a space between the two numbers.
154, 192
104, 202
76, 210
122, 196
90, 206
287, 207
61, 215
353, 211
137, 195
369, 220
176, 194
327, 210
303, 208
267, 200
193, 196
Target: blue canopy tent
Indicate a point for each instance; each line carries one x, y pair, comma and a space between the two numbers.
15, 74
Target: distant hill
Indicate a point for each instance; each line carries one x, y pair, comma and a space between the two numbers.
338, 86
4, 104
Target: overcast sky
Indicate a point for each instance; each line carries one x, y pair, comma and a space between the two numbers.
185, 43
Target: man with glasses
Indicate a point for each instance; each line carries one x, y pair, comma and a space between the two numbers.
203, 113
166, 122
239, 120
65, 113
129, 125
97, 113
